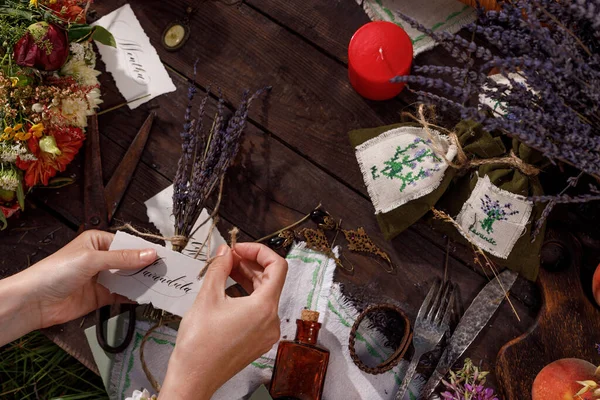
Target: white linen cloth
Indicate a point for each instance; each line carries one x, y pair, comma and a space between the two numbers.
309, 284
494, 219
401, 165
437, 15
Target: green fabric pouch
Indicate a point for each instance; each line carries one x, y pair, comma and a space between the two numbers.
456, 187
480, 144
394, 222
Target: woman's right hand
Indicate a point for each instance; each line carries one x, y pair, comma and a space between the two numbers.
220, 335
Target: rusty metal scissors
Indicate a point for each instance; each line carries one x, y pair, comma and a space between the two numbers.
100, 204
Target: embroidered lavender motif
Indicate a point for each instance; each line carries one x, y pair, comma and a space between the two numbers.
494, 211
403, 159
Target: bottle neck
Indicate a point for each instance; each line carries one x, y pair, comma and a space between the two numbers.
307, 331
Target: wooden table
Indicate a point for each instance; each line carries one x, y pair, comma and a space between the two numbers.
295, 153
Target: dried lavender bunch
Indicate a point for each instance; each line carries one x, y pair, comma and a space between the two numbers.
549, 53
468, 384
206, 154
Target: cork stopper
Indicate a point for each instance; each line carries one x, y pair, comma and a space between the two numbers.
309, 315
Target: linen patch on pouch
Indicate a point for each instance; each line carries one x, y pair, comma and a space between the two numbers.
401, 165
494, 218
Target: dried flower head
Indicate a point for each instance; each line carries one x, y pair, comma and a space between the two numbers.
206, 154
468, 384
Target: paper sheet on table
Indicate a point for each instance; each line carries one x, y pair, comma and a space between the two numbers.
134, 63
170, 283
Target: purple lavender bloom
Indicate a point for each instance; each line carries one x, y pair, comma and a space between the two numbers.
205, 156
554, 105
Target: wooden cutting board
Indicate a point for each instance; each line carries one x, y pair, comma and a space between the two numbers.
568, 325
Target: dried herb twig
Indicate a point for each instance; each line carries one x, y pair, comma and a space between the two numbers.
479, 254
205, 157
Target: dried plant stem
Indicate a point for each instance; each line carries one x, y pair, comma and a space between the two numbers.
233, 234
295, 224
215, 210
478, 252
155, 385
121, 105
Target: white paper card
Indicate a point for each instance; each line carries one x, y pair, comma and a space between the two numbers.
401, 165
170, 283
494, 218
160, 212
134, 63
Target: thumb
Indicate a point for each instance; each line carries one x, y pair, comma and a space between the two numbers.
122, 259
219, 270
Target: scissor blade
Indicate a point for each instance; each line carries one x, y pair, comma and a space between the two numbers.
119, 182
94, 203
473, 321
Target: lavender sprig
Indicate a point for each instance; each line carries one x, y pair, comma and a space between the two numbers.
205, 157
553, 47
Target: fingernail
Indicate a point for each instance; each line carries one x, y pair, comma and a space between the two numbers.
223, 249
148, 255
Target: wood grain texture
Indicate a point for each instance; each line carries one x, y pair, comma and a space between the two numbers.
567, 327
295, 153
313, 106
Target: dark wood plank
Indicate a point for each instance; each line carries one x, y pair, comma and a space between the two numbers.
567, 327
329, 25
30, 237
313, 105
272, 186
305, 81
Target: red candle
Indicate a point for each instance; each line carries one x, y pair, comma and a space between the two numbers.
379, 51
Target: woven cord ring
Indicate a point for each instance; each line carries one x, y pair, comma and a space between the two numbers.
400, 351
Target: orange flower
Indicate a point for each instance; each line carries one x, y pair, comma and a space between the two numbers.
68, 140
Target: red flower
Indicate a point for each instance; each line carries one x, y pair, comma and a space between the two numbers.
9, 211
44, 46
68, 140
69, 13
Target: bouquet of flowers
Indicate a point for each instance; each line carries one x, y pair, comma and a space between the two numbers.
48, 88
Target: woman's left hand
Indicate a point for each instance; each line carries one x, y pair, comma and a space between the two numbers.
63, 286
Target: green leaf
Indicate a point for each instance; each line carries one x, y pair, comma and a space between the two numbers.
103, 36
13, 12
79, 32
21, 192
56, 183
3, 221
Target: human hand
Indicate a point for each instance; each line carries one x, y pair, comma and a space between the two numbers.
221, 335
63, 286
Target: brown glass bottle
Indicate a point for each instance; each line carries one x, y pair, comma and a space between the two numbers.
300, 366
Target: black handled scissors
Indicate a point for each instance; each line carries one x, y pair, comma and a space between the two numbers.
100, 204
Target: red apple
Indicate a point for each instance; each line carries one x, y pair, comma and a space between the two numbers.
596, 285
558, 381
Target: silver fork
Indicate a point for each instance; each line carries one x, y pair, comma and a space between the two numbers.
430, 326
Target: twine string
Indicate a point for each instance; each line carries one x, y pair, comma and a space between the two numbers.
176, 240
463, 161
155, 385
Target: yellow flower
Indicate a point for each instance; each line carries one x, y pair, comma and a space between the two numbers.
37, 130
23, 136
18, 127
8, 130
53, 1
33, 3
14, 80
